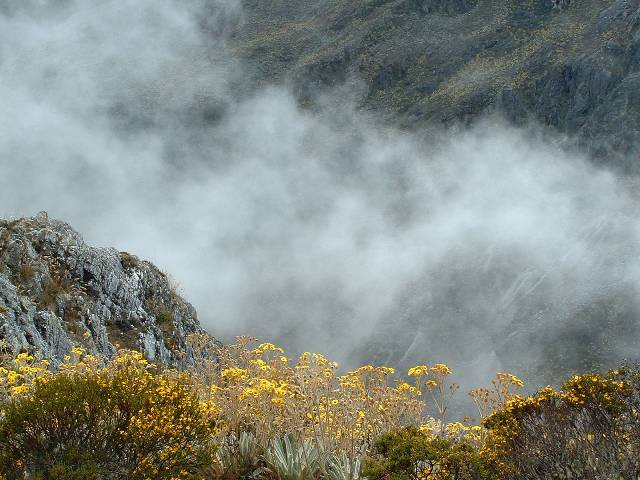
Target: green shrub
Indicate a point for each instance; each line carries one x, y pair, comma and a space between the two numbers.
409, 454
165, 318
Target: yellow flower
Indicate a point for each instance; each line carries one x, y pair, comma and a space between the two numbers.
24, 357
12, 377
440, 369
78, 351
405, 387
235, 373
19, 390
418, 371
267, 347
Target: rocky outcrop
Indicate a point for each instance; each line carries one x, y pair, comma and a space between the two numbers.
56, 292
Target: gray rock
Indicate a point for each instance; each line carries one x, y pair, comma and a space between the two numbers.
56, 292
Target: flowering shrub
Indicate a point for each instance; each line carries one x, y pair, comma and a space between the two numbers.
123, 420
258, 389
261, 390
248, 411
504, 388
587, 429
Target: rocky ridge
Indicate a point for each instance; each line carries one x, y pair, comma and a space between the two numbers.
56, 292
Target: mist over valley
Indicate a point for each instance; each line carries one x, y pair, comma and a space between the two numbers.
303, 208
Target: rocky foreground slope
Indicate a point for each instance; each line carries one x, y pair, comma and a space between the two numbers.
570, 64
56, 292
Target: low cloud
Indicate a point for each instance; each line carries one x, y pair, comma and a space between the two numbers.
320, 230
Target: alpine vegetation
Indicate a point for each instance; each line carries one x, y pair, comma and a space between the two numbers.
252, 412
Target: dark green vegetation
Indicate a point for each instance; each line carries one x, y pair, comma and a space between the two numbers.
439, 62
411, 455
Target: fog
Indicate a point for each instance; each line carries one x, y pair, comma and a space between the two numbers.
489, 247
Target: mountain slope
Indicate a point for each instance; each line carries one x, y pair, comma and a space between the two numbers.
436, 62
56, 292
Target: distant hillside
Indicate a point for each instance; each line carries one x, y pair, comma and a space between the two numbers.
573, 65
57, 292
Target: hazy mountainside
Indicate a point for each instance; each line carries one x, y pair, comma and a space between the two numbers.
57, 292
573, 65
423, 64
320, 227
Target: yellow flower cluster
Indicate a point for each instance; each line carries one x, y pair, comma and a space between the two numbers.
440, 391
17, 376
267, 347
580, 390
165, 407
512, 411
418, 371
504, 388
261, 390
241, 388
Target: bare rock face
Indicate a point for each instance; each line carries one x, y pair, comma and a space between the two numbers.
56, 292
